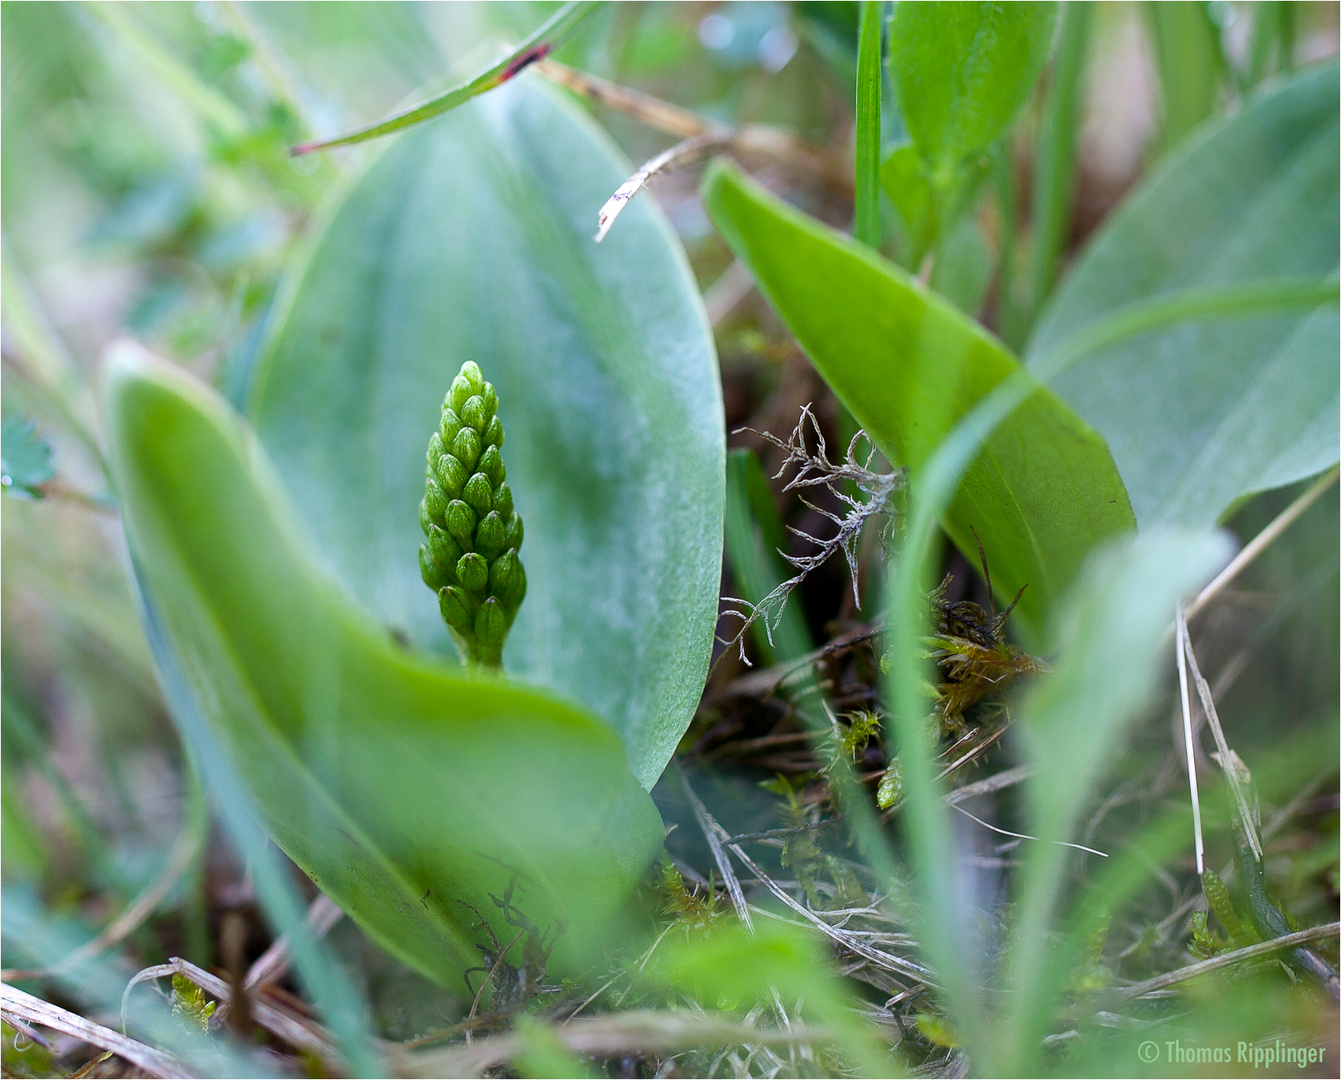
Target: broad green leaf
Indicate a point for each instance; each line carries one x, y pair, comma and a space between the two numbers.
909, 366
1073, 721
471, 239
25, 459
1203, 412
409, 791
962, 71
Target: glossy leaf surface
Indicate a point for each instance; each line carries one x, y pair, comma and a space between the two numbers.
471, 239
909, 366
407, 790
1204, 412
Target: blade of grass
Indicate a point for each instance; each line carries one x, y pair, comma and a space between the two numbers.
1265, 40
208, 103
1072, 726
866, 223
1055, 159
1190, 62
536, 47
930, 491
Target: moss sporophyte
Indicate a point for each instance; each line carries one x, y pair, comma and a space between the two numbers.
473, 531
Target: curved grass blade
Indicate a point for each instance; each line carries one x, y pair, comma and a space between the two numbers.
536, 47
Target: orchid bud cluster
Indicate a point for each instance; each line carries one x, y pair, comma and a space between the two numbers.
473, 531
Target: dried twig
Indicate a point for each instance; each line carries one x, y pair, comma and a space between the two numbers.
887, 961
683, 123
715, 834
1262, 540
682, 153
1215, 963
611, 1035
297, 1033
1250, 826
36, 1011
1180, 652
996, 782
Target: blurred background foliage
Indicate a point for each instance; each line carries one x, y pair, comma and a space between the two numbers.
147, 190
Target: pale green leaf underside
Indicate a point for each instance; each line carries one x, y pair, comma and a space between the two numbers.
1202, 413
909, 366
470, 238
406, 789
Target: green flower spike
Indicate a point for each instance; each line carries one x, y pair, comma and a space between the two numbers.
473, 532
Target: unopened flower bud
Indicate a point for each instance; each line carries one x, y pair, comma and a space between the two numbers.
455, 609
466, 446
491, 464
472, 527
460, 520
452, 476
478, 495
473, 572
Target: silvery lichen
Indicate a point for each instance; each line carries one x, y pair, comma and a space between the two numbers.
473, 531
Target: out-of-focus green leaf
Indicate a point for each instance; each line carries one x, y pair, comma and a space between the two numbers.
904, 178
1203, 412
909, 366
410, 792
831, 28
1191, 65
963, 70
470, 239
1110, 630
734, 968
25, 458
963, 267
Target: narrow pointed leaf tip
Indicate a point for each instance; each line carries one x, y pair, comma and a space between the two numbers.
536, 47
473, 531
